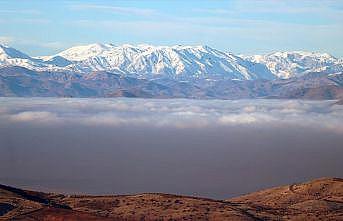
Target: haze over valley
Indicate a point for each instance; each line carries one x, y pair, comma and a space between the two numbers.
213, 148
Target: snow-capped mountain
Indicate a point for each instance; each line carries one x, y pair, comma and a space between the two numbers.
153, 61
297, 63
106, 70
12, 57
176, 62
144, 61
11, 53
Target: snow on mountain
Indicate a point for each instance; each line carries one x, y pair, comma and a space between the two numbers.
12, 57
79, 53
55, 60
297, 63
174, 61
177, 62
11, 53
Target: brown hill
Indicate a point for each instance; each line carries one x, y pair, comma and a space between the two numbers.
320, 199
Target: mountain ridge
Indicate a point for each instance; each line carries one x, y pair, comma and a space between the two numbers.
150, 61
200, 72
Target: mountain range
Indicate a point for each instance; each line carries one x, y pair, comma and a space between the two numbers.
106, 70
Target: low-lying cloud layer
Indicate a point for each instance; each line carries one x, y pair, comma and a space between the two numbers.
177, 113
213, 148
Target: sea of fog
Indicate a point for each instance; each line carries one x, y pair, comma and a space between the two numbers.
212, 148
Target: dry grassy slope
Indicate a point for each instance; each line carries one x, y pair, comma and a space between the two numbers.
315, 200
158, 207
320, 199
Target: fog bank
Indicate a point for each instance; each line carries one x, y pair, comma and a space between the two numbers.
209, 148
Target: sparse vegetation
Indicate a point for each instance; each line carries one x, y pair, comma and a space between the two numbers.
316, 200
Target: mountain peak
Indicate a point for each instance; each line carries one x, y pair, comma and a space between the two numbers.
82, 52
286, 64
6, 52
286, 54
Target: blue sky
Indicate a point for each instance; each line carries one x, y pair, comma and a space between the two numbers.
241, 26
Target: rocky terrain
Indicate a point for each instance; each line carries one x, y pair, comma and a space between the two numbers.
320, 199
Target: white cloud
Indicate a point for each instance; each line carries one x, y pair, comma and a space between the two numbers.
115, 9
175, 113
249, 109
20, 11
34, 116
237, 119
285, 7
